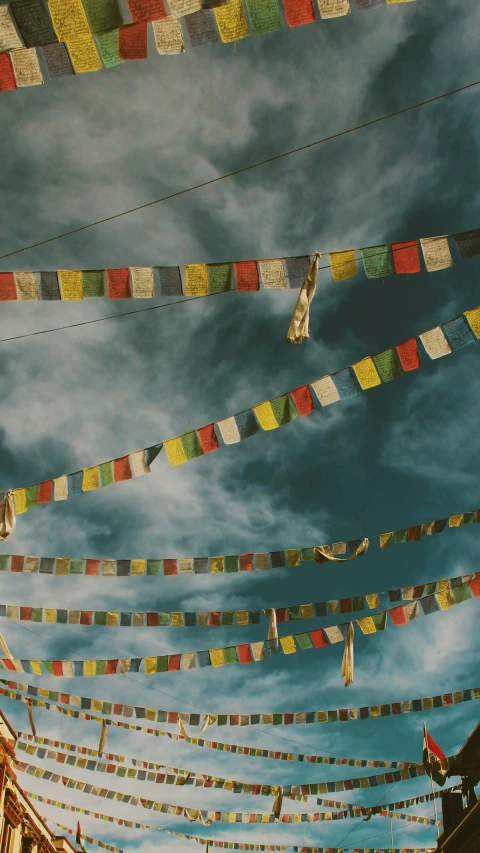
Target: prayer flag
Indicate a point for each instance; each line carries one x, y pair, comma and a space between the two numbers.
326, 391
369, 4
333, 8
435, 343
377, 261
133, 40
303, 400
147, 10
468, 244
232, 25
264, 16
457, 332
118, 284
246, 275
208, 439
366, 373
436, 253
9, 39
298, 12
201, 30
92, 283
108, 45
196, 279
343, 264
26, 67
344, 383
266, 416
296, 268
175, 451
168, 40
387, 365
473, 318
103, 15
7, 77
408, 354
180, 8
84, 54
406, 257
121, 469
70, 284
273, 274
33, 21
8, 289
143, 284
69, 18
57, 60
219, 275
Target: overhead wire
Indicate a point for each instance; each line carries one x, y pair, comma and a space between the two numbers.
243, 169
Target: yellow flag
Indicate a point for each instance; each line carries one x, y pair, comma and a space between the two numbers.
366, 373
71, 285
175, 452
196, 280
232, 21
343, 264
84, 54
265, 416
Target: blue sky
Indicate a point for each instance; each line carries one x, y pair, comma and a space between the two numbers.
83, 148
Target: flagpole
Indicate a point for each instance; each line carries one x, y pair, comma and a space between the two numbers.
431, 785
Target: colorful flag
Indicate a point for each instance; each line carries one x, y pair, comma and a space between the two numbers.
79, 838
434, 760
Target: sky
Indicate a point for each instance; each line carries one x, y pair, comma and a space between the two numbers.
83, 148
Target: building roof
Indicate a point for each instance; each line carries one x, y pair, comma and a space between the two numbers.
467, 759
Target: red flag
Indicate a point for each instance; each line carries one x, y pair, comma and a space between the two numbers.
434, 759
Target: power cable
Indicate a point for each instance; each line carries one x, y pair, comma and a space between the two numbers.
244, 169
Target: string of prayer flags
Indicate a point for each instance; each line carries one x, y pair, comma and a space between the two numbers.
268, 415
242, 618
148, 772
128, 42
338, 715
179, 566
246, 653
230, 845
348, 809
72, 23
212, 816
